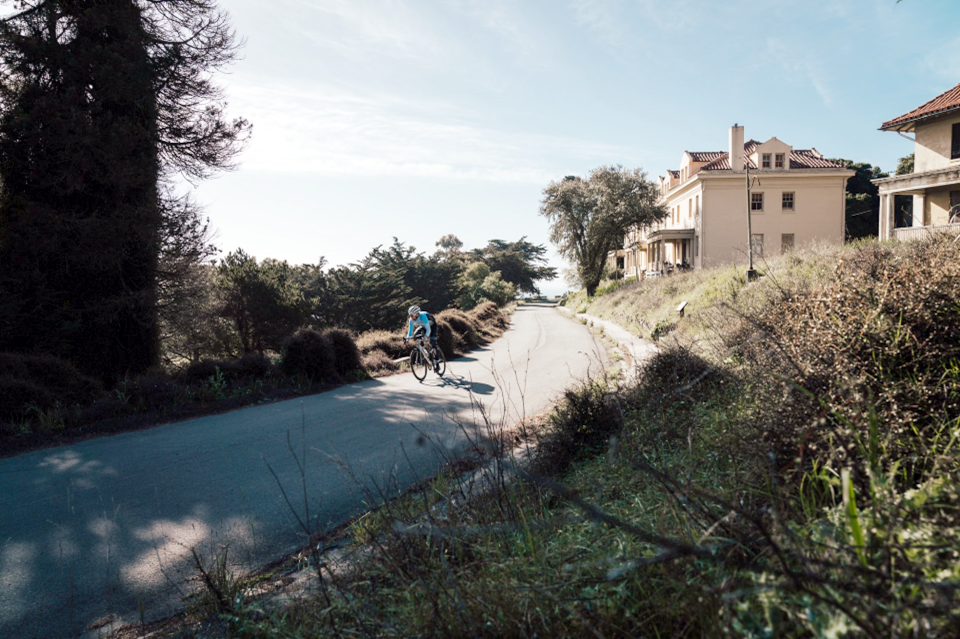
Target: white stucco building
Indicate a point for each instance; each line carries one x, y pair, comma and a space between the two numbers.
935, 181
796, 197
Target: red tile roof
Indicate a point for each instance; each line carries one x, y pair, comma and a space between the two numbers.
799, 159
946, 101
722, 163
810, 159
673, 173
704, 156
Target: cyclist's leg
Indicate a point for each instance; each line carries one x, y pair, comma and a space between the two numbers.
433, 346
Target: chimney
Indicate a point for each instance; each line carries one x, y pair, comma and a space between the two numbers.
736, 147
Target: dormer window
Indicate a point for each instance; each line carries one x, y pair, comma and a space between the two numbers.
779, 161
766, 160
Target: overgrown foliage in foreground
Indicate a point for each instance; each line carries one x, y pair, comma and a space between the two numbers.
787, 465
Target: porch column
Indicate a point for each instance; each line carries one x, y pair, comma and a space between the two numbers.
919, 209
886, 216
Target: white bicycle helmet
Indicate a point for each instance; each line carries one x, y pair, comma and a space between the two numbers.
413, 310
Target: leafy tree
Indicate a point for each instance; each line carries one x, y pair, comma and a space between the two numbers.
862, 209
101, 101
589, 217
519, 263
479, 283
263, 301
449, 245
905, 165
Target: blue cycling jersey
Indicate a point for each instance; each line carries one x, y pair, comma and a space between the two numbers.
420, 320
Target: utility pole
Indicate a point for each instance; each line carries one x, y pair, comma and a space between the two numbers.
751, 274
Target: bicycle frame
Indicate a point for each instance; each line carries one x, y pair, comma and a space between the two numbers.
422, 359
426, 352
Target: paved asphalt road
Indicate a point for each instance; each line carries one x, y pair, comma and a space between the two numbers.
104, 527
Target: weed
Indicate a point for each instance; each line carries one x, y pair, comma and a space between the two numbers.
53, 419
216, 385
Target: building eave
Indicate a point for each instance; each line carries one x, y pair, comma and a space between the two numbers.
720, 173
908, 126
918, 182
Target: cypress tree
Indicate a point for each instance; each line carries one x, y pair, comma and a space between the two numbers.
102, 100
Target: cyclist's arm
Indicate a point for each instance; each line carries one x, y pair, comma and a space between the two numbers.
426, 324
409, 329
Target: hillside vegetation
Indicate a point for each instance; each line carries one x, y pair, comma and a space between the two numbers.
786, 465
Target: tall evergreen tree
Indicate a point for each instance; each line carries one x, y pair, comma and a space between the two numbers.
101, 100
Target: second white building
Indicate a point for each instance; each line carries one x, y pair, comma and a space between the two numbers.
796, 197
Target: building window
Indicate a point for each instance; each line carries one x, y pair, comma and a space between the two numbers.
788, 201
756, 244
689, 208
766, 160
696, 246
779, 161
786, 242
955, 146
756, 201
698, 205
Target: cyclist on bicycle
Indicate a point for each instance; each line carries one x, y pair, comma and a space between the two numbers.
423, 320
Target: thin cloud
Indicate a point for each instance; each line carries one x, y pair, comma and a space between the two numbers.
358, 28
944, 61
332, 130
505, 20
602, 17
801, 68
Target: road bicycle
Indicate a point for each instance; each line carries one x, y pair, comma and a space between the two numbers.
422, 359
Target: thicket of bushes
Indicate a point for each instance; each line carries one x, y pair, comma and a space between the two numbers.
42, 397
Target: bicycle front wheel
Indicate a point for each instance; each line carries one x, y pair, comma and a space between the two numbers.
440, 362
418, 364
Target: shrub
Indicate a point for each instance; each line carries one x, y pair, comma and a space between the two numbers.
485, 312
463, 324
874, 334
446, 339
17, 393
583, 420
251, 365
377, 360
390, 342
346, 355
58, 380
310, 354
205, 368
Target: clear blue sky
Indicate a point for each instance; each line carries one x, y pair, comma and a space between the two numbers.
376, 119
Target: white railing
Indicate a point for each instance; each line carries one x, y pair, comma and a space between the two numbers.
907, 233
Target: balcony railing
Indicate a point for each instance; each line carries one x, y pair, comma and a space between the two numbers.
907, 233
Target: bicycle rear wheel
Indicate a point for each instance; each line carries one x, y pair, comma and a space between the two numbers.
441, 362
418, 364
